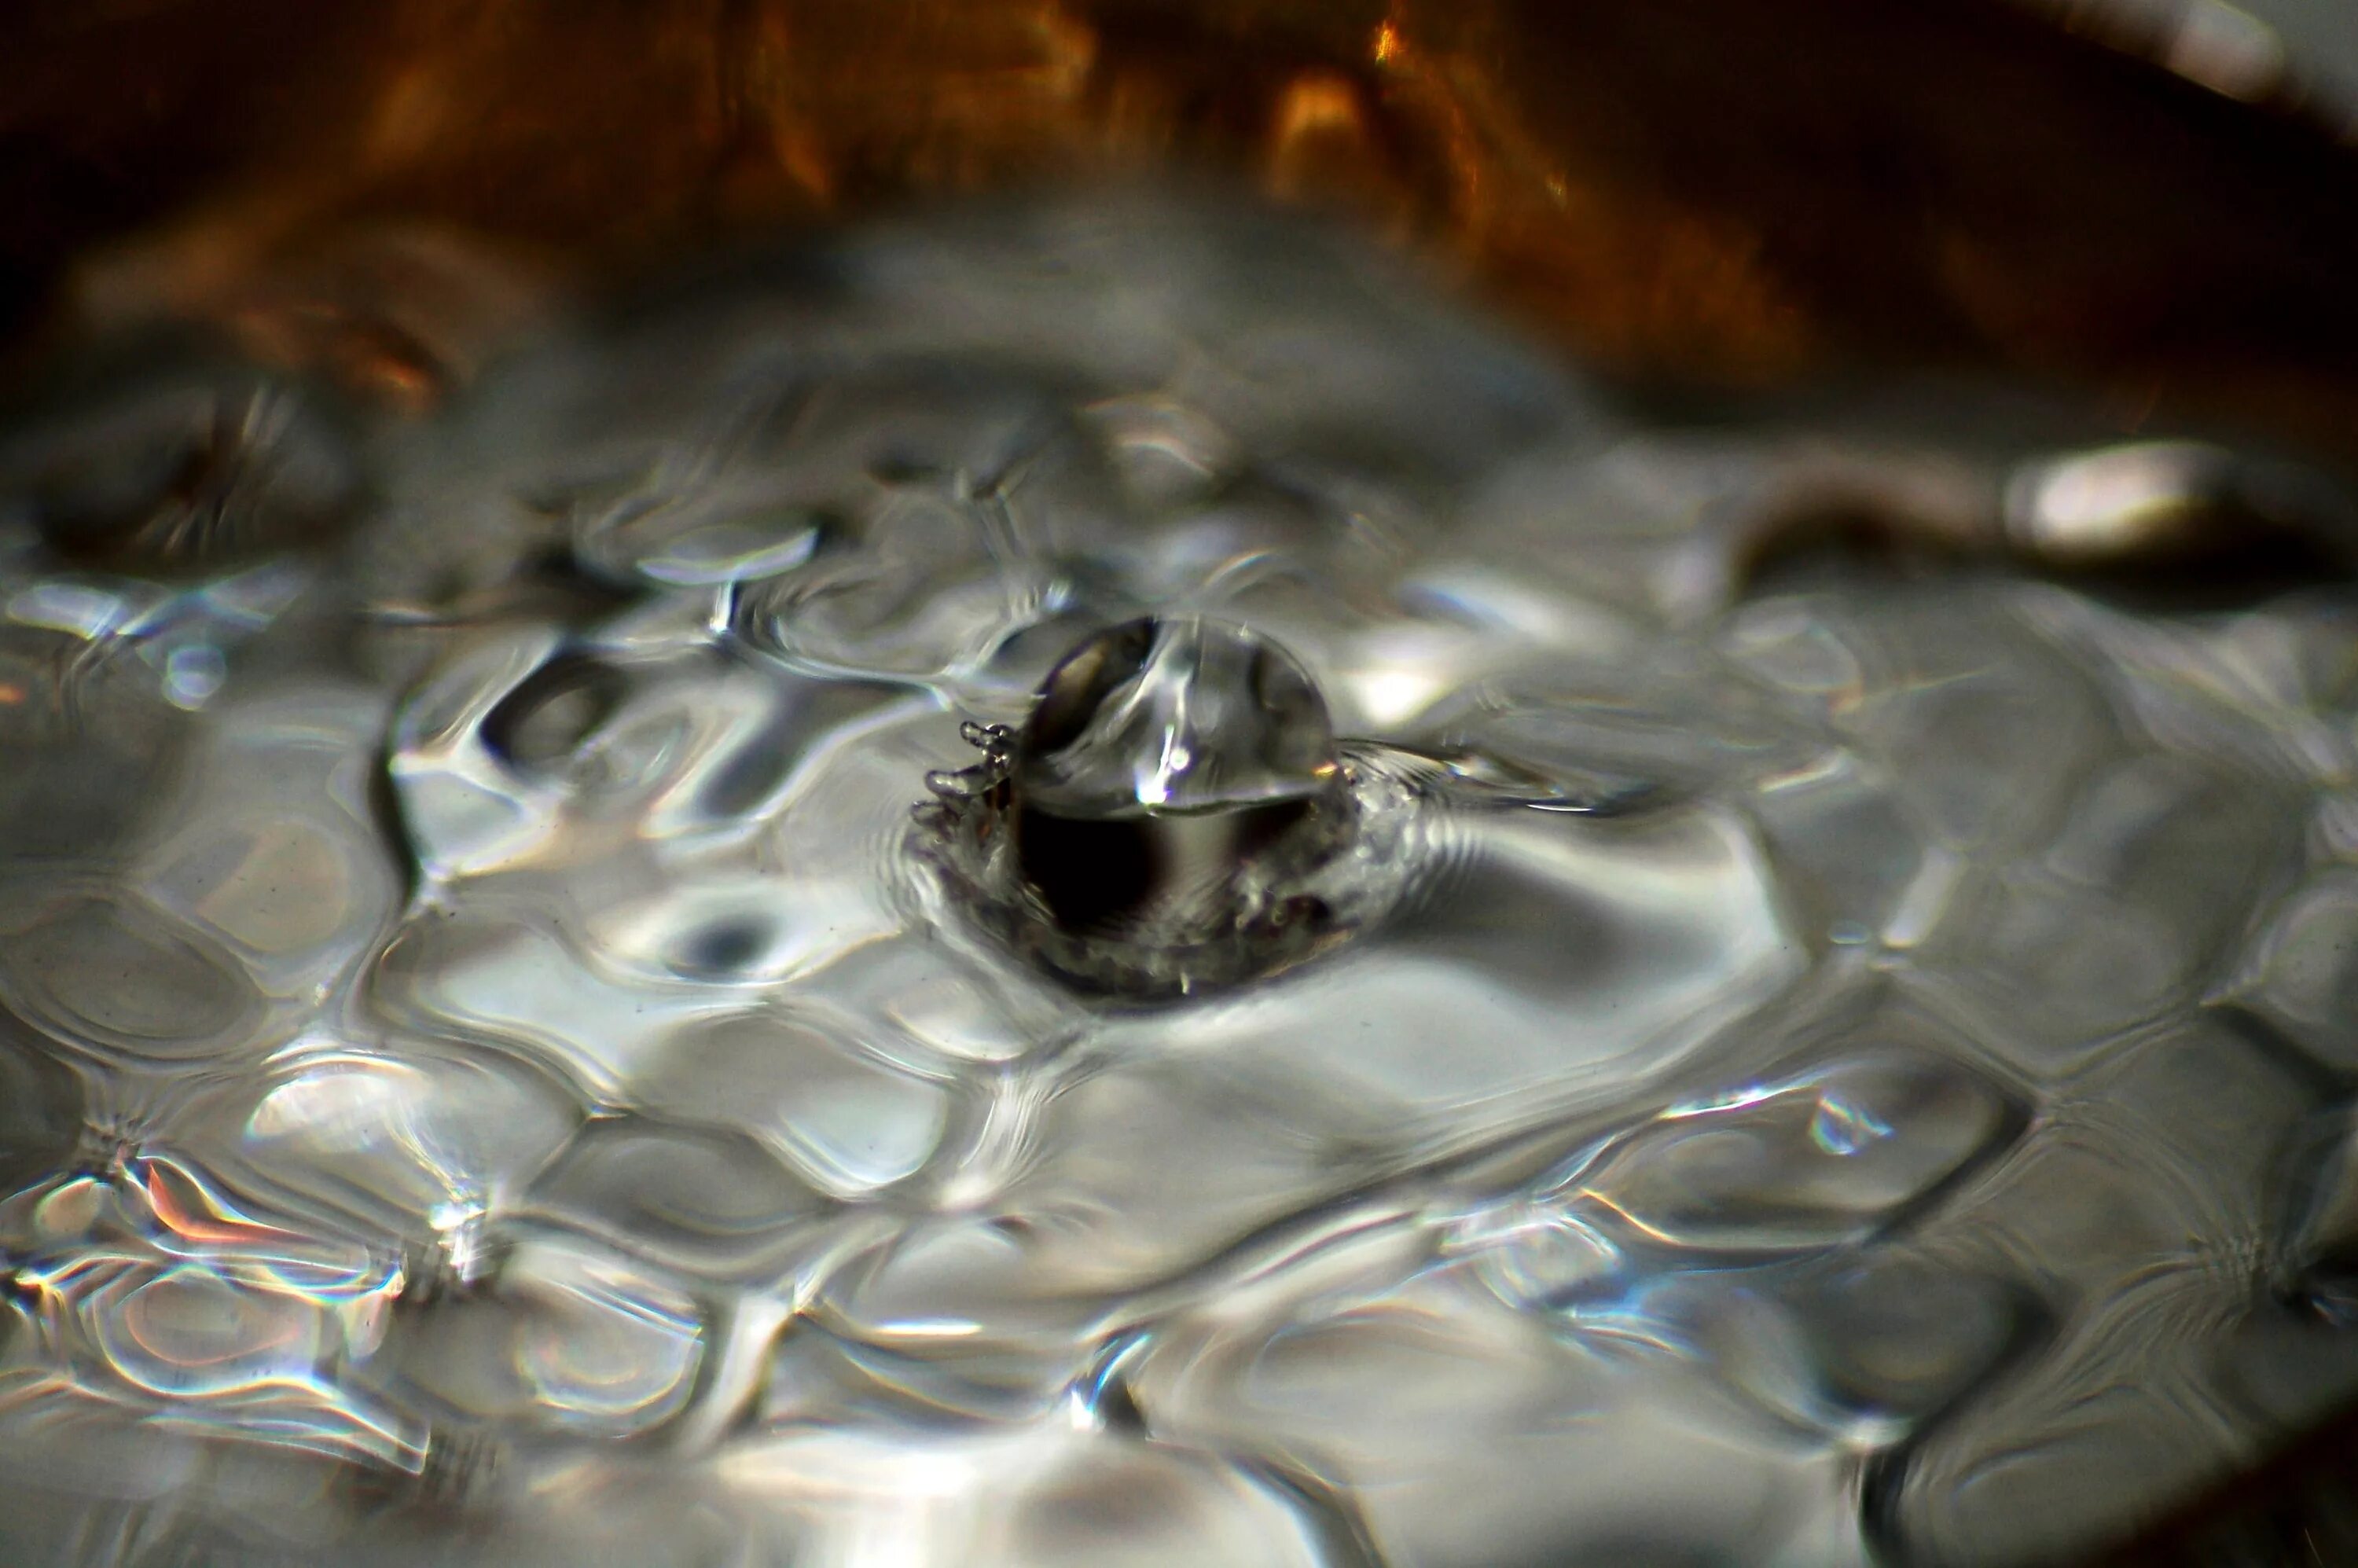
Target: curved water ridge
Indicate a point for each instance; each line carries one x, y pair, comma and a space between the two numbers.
1094, 885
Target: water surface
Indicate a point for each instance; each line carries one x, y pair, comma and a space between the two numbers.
1766, 1053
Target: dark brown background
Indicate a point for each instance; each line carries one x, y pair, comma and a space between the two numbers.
1724, 191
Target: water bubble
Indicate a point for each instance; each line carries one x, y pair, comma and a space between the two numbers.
1182, 715
1160, 822
1163, 759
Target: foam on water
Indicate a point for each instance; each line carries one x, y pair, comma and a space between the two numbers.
1450, 998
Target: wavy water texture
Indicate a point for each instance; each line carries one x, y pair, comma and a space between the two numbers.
507, 1060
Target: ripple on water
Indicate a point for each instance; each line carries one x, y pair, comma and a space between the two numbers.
1898, 1339
924, 594
1804, 1162
950, 1005
2299, 971
568, 1338
92, 740
417, 1142
1433, 1407
522, 985
492, 1073
1847, 853
157, 1294
896, 520
799, 1082
1038, 1496
1552, 956
2073, 1479
42, 1102
1129, 1176
704, 1203
1599, 729
278, 851
1869, 1351
2146, 1265
1982, 724
523, 748
105, 971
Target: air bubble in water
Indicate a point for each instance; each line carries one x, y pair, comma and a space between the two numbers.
1163, 820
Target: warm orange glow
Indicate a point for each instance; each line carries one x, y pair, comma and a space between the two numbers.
190, 1213
1721, 190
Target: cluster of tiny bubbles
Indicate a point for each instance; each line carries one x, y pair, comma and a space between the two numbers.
1092, 883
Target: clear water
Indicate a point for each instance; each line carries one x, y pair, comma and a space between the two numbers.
507, 1060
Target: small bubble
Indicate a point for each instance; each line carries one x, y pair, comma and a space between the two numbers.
1175, 793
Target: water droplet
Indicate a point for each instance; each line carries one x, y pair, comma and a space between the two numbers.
1159, 823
